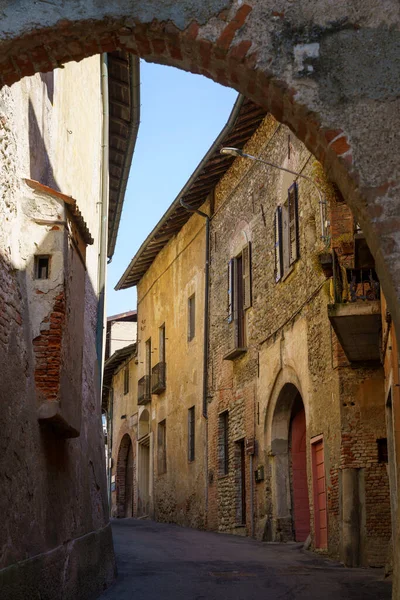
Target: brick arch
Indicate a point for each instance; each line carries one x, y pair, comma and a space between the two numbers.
317, 67
125, 477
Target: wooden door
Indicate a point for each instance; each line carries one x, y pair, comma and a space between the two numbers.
320, 513
301, 508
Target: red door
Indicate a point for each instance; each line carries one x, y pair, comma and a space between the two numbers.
320, 515
301, 506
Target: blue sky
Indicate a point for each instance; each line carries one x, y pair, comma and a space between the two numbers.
181, 115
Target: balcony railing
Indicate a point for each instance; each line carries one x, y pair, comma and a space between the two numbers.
355, 312
144, 394
351, 285
158, 382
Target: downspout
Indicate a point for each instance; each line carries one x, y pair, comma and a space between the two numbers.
206, 336
101, 278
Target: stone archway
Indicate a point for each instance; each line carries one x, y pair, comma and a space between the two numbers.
124, 478
291, 512
329, 71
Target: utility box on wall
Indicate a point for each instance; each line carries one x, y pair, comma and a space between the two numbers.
259, 474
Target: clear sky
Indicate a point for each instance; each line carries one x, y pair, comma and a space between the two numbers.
181, 115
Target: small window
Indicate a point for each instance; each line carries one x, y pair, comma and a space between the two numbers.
126, 380
162, 447
161, 342
191, 433
223, 444
42, 267
191, 317
382, 450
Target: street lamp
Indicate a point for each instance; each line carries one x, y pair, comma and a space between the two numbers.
237, 153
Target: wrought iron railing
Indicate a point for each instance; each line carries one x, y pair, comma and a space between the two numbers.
144, 393
351, 285
158, 382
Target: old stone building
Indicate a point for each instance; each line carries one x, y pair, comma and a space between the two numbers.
65, 137
292, 411
297, 418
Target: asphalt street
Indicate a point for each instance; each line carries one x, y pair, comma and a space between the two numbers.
158, 561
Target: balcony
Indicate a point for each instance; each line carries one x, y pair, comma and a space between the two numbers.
158, 380
355, 314
144, 395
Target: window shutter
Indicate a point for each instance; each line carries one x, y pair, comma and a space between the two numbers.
294, 250
230, 290
246, 266
235, 304
278, 244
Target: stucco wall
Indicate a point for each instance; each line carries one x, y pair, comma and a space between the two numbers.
163, 293
54, 505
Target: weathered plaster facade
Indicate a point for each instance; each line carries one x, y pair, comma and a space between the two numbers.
179, 483
56, 537
162, 480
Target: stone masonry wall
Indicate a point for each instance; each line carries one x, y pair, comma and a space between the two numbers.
289, 338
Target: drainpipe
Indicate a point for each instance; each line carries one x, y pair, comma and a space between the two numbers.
101, 279
206, 336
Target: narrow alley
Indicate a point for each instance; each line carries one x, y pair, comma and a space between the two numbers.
165, 561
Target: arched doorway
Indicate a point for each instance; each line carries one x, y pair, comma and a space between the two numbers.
291, 510
124, 479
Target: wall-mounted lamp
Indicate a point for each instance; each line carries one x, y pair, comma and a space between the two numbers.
237, 153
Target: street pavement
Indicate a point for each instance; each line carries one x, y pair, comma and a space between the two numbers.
158, 561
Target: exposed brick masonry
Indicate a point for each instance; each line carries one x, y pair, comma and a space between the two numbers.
47, 349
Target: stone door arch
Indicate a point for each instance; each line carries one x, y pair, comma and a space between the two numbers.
291, 512
124, 478
331, 73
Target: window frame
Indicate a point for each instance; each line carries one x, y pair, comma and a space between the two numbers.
191, 332
191, 433
37, 268
126, 380
162, 447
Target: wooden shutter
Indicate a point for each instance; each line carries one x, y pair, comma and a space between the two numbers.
235, 304
293, 236
230, 290
278, 244
246, 270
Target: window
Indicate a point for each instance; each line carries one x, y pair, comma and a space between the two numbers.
42, 267
148, 368
382, 450
161, 343
191, 433
286, 231
223, 444
191, 317
162, 447
239, 294
126, 380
